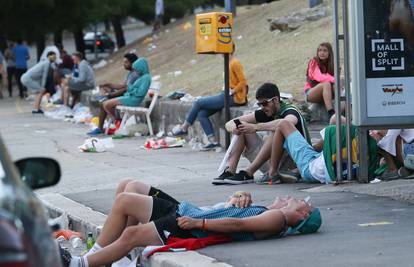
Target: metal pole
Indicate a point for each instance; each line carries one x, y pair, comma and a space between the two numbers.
337, 94
363, 157
347, 88
95, 46
226, 94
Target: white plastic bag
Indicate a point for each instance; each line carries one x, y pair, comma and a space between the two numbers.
96, 145
128, 129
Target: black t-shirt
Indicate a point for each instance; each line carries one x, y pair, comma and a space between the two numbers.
262, 117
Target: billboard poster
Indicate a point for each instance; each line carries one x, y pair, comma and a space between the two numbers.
389, 57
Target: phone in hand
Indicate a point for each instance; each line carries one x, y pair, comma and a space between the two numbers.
237, 122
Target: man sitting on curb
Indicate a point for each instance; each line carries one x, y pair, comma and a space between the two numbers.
143, 215
317, 164
112, 90
255, 149
82, 79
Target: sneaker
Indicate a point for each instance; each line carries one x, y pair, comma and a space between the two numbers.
289, 177
220, 180
210, 146
37, 111
95, 132
242, 177
405, 173
178, 132
268, 179
389, 176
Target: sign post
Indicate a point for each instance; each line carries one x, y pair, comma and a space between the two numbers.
382, 47
214, 33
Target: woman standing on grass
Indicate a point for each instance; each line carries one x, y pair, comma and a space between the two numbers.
320, 78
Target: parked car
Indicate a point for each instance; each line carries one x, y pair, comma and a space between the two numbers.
25, 236
103, 42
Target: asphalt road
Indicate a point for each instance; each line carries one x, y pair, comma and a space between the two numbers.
91, 179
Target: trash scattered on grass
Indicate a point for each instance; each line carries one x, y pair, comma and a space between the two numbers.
193, 61
156, 77
376, 180
41, 131
186, 26
177, 73
239, 37
374, 224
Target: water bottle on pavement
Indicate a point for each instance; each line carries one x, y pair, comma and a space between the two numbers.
90, 241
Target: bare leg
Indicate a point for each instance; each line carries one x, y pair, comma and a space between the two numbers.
65, 93
39, 99
322, 93
399, 149
110, 105
133, 236
283, 130
126, 204
245, 140
262, 157
102, 117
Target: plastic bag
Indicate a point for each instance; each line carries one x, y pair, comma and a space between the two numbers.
124, 130
96, 145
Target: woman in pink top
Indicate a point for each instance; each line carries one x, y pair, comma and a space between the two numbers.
320, 79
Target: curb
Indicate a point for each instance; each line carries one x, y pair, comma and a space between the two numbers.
83, 219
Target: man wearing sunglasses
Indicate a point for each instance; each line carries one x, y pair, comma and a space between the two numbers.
257, 149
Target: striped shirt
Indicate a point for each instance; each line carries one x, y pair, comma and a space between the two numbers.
189, 210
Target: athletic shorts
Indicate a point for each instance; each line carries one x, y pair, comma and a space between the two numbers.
408, 155
164, 215
301, 152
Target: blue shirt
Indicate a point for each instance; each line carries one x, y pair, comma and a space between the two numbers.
131, 77
21, 53
189, 210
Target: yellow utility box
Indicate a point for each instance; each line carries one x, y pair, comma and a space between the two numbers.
214, 33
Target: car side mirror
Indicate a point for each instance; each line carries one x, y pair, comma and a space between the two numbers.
39, 172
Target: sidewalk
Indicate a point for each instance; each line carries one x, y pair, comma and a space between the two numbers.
88, 183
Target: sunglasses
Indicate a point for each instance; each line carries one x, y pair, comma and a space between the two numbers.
266, 102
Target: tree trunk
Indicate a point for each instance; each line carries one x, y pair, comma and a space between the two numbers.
119, 32
79, 43
107, 26
57, 37
40, 45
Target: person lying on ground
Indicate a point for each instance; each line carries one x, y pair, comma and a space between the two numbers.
112, 90
40, 79
81, 79
143, 215
397, 148
317, 163
320, 78
256, 150
204, 107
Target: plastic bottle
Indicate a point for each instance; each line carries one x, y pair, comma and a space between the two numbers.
90, 241
75, 241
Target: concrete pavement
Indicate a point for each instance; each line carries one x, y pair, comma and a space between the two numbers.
89, 181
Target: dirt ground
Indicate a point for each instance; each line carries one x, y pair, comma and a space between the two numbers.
267, 56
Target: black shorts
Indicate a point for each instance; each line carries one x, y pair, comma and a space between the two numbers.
164, 215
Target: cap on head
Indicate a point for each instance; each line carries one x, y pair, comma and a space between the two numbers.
309, 225
267, 91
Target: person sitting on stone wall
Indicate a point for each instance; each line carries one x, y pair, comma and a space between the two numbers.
207, 106
320, 78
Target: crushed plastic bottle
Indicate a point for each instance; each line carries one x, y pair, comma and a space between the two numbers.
75, 241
